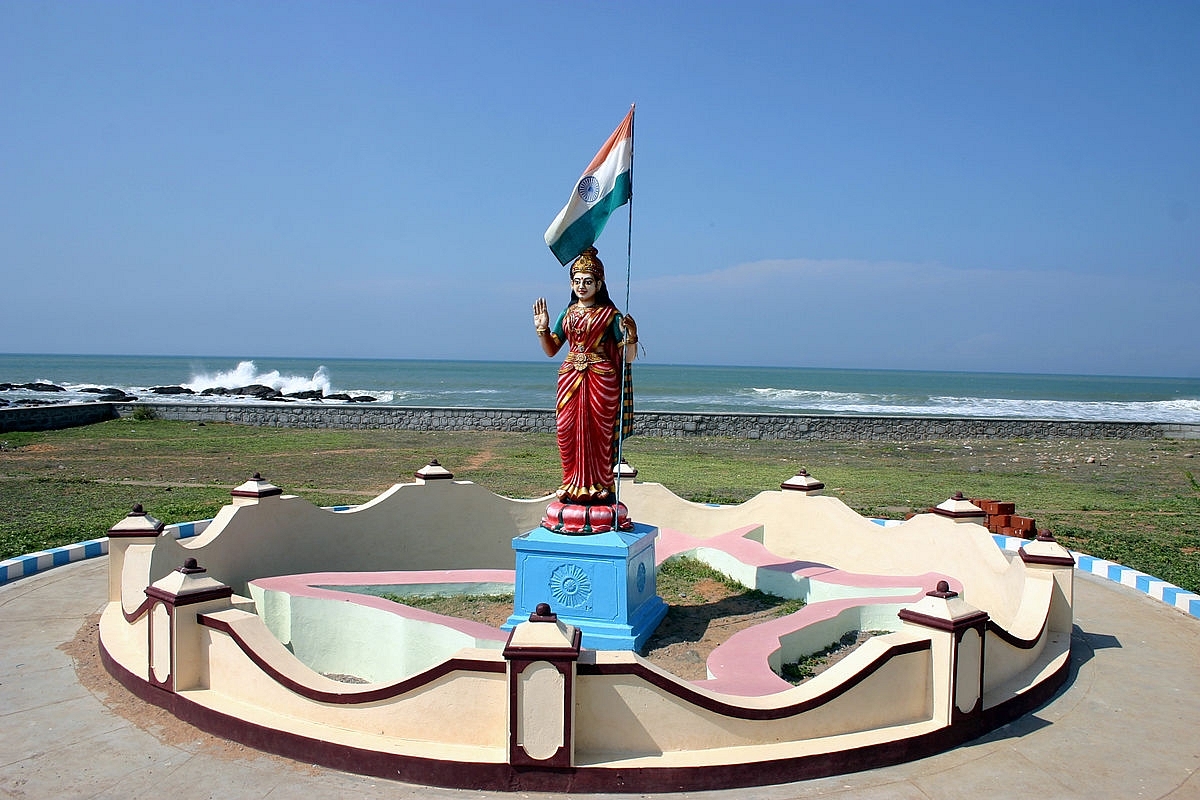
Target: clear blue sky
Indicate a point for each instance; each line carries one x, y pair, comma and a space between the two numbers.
1002, 186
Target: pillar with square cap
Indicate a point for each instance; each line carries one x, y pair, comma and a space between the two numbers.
174, 646
960, 509
541, 654
1045, 556
254, 490
957, 630
138, 531
804, 483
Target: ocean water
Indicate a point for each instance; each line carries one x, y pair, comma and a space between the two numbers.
479, 384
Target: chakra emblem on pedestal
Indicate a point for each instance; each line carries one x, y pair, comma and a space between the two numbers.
570, 586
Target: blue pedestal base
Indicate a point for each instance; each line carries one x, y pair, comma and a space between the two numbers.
604, 584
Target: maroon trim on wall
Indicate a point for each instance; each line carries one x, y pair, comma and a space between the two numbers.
960, 715
979, 513
352, 697
138, 612
431, 475
530, 654
1016, 641
1054, 561
168, 684
957, 715
266, 493
939, 624
957, 515
684, 692
504, 777
312, 751
191, 598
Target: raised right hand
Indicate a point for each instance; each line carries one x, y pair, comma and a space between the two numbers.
541, 317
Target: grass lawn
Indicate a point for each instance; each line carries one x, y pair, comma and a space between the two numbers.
1133, 502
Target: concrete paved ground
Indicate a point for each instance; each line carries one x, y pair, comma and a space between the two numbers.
1126, 725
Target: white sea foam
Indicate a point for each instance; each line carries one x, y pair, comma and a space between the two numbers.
800, 401
247, 374
808, 396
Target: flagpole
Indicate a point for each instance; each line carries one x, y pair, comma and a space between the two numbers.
628, 272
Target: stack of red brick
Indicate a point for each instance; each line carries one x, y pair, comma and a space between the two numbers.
1002, 518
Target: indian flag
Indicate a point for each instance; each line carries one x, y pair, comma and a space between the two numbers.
605, 186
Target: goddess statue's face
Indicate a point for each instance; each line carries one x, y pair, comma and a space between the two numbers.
585, 285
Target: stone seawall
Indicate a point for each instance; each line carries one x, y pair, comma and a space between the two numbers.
738, 426
54, 417
650, 423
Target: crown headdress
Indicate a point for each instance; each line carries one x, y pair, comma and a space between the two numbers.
589, 261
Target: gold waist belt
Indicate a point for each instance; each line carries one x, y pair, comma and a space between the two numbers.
581, 361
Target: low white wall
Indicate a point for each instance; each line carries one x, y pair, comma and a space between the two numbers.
890, 687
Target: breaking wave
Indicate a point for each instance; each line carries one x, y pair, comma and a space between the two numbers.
247, 374
802, 401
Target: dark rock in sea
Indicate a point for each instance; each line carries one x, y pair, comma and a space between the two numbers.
278, 398
6, 387
363, 398
339, 396
3, 402
40, 387
310, 394
171, 390
217, 390
255, 390
110, 393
